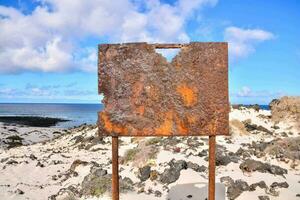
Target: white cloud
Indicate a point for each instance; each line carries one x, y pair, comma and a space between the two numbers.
242, 41
246, 91
49, 38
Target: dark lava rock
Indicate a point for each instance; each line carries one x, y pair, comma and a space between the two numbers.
56, 162
32, 120
18, 191
260, 184
11, 162
32, 157
256, 107
144, 173
202, 153
13, 141
297, 195
227, 180
253, 127
242, 153
275, 127
284, 148
196, 167
178, 165
169, 176
250, 165
249, 127
78, 138
236, 189
76, 163
39, 164
172, 173
157, 193
98, 182
225, 159
279, 185
263, 198
263, 129
189, 196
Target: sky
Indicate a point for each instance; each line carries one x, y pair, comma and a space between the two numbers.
48, 48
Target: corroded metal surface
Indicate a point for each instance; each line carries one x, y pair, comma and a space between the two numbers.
144, 95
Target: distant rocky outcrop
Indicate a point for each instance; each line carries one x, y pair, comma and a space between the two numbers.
286, 109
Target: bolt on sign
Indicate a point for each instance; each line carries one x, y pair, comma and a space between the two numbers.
145, 95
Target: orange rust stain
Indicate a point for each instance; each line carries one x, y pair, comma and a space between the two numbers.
188, 95
110, 127
191, 119
182, 129
140, 110
107, 124
166, 127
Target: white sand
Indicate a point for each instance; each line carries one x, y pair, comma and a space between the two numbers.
58, 154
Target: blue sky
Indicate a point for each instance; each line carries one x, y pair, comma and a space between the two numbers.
48, 48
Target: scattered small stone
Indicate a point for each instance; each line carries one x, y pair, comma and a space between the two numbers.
196, 167
39, 164
4, 160
18, 191
263, 198
144, 173
275, 127
202, 153
153, 175
157, 193
170, 175
97, 182
76, 163
250, 165
243, 153
260, 184
279, 185
56, 162
189, 196
32, 157
11, 162
227, 180
176, 149
237, 188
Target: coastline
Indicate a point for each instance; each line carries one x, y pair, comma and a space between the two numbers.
76, 164
32, 121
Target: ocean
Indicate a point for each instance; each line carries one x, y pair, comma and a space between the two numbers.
76, 113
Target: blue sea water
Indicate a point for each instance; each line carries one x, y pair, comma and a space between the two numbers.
77, 113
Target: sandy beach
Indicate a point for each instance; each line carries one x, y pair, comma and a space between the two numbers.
260, 160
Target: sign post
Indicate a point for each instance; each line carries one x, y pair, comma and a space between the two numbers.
145, 95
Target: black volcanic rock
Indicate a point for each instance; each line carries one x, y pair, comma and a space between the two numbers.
32, 120
250, 165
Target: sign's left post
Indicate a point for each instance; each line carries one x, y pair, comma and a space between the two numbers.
115, 168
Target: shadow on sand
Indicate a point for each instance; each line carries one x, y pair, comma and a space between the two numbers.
195, 191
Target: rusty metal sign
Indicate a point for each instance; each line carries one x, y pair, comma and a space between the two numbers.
145, 95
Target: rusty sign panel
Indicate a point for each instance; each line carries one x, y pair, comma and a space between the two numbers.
145, 95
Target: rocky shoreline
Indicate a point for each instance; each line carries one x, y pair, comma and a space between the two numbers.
260, 160
32, 121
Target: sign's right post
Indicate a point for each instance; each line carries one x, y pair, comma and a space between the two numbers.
211, 167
